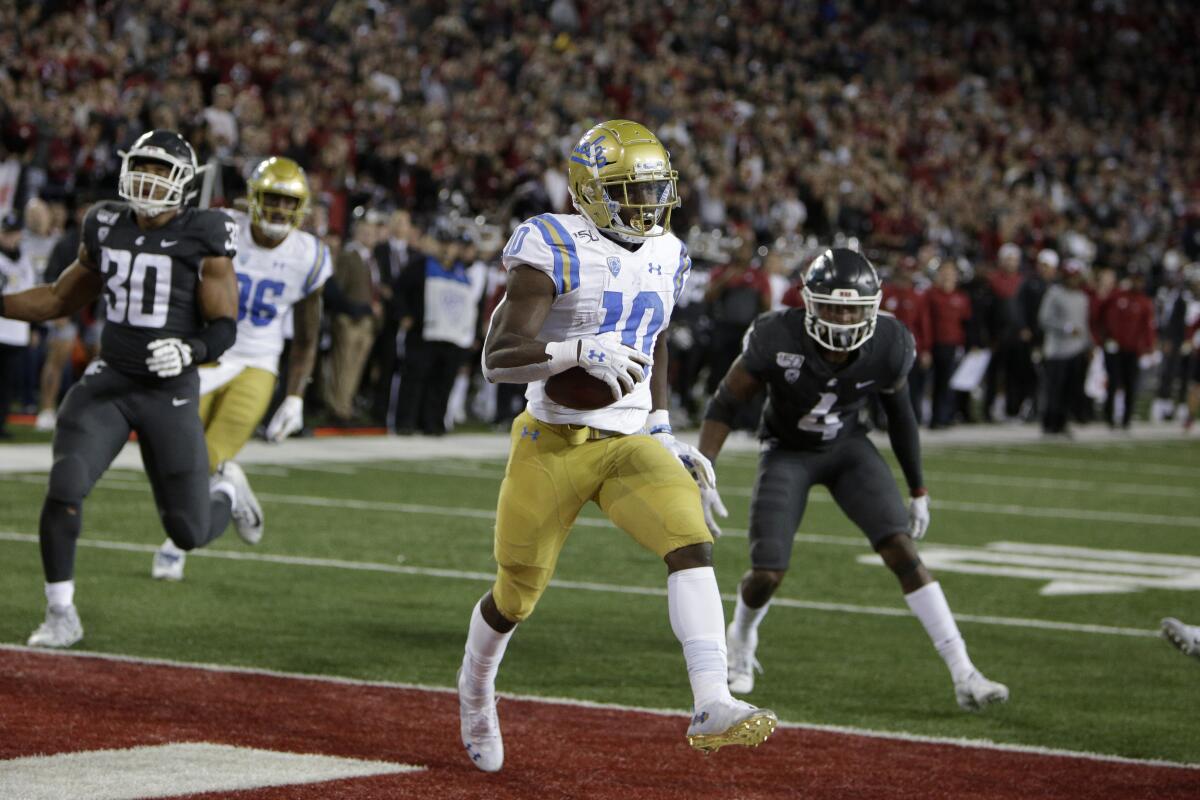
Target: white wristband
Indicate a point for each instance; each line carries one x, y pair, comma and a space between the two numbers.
659, 421
563, 356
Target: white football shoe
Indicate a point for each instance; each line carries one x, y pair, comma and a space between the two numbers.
976, 692
247, 513
730, 722
1184, 637
168, 562
741, 660
480, 729
62, 628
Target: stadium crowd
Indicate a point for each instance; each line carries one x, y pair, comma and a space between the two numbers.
1022, 173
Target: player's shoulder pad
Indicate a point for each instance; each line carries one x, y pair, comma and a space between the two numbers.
97, 223
899, 347
216, 231
549, 244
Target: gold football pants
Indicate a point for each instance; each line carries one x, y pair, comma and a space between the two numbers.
553, 470
232, 412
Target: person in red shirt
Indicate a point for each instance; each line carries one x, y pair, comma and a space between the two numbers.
1126, 323
949, 310
902, 300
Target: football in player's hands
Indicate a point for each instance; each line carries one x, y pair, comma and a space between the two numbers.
576, 389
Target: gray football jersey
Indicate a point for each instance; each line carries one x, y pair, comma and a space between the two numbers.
151, 277
812, 403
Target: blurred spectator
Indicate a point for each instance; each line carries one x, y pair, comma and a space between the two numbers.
440, 292
1011, 366
1064, 321
352, 337
16, 274
1126, 326
902, 300
949, 312
1171, 304
1029, 303
737, 293
391, 258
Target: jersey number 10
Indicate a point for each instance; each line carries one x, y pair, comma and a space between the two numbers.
643, 302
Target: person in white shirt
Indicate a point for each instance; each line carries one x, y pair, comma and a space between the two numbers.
16, 274
280, 274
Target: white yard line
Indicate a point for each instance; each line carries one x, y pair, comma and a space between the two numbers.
585, 586
979, 744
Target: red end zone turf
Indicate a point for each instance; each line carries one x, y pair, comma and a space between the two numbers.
61, 703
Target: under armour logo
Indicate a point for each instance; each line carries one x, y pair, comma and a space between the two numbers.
532, 434
594, 356
655, 269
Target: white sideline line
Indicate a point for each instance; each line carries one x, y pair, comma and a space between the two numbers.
979, 744
1034, 512
589, 586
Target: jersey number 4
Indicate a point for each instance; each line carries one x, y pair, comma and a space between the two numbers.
132, 283
254, 302
822, 419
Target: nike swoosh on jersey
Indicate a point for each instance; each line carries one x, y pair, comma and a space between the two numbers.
171, 243
177, 401
861, 384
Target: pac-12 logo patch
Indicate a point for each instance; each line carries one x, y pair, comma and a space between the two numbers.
789, 360
791, 375
614, 265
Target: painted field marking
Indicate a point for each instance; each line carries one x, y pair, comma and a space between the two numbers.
591, 586
119, 483
171, 770
1069, 570
980, 744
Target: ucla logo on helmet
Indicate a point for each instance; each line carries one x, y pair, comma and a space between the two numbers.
614, 265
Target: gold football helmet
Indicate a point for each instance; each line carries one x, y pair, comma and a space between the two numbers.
267, 191
620, 178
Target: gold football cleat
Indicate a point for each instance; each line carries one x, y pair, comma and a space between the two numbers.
750, 731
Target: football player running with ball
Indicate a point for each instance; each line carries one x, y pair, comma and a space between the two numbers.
170, 292
595, 290
279, 269
818, 365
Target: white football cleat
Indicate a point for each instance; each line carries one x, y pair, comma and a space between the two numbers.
480, 729
975, 692
247, 513
62, 628
730, 722
741, 661
168, 562
1184, 637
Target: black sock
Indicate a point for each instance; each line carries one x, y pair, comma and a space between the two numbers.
58, 531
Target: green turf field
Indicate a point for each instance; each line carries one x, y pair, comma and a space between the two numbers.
370, 571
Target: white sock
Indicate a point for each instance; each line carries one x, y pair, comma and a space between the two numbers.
225, 488
60, 594
930, 606
746, 619
698, 620
170, 548
483, 654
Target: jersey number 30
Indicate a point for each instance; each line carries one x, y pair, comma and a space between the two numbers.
126, 280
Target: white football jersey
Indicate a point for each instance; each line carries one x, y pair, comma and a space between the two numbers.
270, 282
600, 287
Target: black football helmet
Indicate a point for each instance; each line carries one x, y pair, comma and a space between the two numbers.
148, 192
841, 299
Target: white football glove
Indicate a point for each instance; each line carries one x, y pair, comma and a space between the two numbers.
918, 517
701, 470
168, 357
605, 358
287, 419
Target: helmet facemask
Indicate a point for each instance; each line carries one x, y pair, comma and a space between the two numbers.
276, 214
151, 193
638, 208
842, 321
